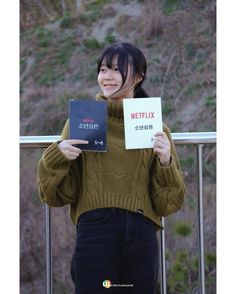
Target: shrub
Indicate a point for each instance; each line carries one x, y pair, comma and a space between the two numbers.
68, 22
183, 229
91, 43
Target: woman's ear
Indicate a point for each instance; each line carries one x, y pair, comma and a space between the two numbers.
138, 79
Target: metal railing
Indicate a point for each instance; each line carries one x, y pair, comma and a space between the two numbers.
198, 139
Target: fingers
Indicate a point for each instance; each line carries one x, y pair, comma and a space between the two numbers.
73, 155
161, 134
161, 152
71, 152
161, 141
162, 146
76, 141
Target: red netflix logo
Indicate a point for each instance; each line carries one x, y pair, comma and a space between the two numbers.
138, 115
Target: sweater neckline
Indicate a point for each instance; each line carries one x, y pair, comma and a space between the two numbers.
114, 110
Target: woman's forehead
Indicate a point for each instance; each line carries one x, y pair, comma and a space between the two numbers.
110, 60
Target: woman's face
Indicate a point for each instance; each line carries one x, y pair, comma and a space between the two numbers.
110, 81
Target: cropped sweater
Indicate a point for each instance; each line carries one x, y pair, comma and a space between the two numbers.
130, 179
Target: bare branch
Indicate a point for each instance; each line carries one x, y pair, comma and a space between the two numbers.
167, 72
43, 9
63, 7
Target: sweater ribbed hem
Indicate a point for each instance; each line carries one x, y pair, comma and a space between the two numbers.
113, 200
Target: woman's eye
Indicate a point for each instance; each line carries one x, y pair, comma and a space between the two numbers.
116, 69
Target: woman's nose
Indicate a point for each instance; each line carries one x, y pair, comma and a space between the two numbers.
108, 75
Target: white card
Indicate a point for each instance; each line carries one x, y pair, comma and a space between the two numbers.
142, 119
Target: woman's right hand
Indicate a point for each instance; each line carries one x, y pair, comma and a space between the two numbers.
71, 152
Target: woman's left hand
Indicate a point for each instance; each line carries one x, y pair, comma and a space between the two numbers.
162, 148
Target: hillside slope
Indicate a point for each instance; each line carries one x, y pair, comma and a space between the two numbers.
58, 60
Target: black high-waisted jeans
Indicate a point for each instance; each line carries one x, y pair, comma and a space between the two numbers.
116, 252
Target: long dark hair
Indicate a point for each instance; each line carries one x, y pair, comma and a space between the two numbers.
127, 54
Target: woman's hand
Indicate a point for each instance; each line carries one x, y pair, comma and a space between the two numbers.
71, 152
162, 148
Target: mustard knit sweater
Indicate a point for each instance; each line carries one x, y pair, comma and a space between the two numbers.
128, 179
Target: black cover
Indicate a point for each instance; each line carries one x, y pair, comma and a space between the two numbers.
88, 121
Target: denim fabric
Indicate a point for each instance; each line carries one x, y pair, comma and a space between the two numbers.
116, 252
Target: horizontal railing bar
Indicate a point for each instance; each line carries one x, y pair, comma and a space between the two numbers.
179, 138
38, 141
194, 138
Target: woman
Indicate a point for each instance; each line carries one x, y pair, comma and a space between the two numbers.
116, 198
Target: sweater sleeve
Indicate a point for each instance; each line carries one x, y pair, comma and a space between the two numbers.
57, 177
167, 184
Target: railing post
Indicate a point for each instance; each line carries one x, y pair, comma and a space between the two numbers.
200, 221
48, 251
163, 259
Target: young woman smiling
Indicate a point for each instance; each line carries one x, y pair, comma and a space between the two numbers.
116, 198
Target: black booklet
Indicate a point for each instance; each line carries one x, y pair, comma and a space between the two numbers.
88, 121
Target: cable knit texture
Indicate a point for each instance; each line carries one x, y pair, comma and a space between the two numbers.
128, 179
